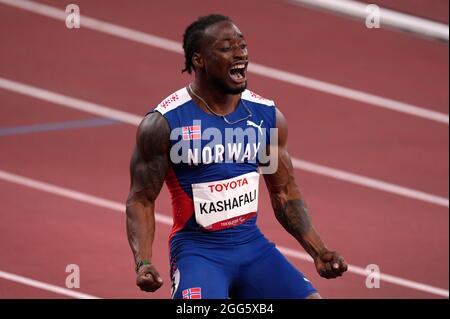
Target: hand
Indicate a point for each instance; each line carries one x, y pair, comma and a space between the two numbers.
330, 264
148, 278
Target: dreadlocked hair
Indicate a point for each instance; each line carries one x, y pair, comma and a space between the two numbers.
193, 35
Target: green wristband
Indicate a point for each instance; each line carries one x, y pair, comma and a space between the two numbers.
142, 263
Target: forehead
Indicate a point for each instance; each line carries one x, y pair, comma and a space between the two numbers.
224, 30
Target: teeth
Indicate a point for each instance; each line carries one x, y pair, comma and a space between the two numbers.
239, 66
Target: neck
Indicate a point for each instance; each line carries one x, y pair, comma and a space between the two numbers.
220, 102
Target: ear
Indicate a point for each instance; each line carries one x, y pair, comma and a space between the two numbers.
197, 61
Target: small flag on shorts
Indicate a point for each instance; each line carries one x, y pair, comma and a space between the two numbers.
192, 132
192, 293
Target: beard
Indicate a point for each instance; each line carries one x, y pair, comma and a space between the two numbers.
237, 90
223, 86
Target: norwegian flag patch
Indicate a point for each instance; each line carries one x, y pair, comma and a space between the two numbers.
192, 293
192, 132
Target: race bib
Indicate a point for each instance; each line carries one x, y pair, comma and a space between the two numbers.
226, 203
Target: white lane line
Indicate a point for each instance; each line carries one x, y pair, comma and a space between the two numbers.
388, 17
276, 74
369, 182
133, 119
45, 286
351, 94
166, 220
78, 196
384, 277
70, 102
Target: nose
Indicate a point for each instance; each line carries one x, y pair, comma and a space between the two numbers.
240, 53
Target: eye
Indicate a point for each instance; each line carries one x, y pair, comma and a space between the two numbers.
243, 46
225, 49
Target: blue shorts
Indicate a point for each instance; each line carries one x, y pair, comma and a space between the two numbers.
250, 270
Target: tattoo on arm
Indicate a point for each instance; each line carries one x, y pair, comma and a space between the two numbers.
293, 216
148, 168
150, 161
288, 205
148, 177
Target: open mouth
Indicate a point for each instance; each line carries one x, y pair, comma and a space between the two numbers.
238, 72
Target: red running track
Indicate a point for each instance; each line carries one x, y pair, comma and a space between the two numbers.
41, 233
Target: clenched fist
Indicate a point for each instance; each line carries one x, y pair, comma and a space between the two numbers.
330, 264
148, 278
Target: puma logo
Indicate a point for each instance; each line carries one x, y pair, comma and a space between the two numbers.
255, 125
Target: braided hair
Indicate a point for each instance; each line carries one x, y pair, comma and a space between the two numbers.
193, 35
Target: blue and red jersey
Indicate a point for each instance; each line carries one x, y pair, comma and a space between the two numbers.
209, 165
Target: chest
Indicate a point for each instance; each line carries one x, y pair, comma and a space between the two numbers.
206, 139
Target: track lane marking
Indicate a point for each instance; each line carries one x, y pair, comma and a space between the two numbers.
388, 17
44, 286
369, 182
56, 126
134, 119
259, 69
166, 220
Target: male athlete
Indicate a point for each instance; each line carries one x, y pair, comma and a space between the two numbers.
216, 248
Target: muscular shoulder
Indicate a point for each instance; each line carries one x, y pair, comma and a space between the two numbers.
282, 127
153, 135
256, 98
173, 101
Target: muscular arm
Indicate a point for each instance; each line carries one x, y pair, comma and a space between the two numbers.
291, 211
148, 168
